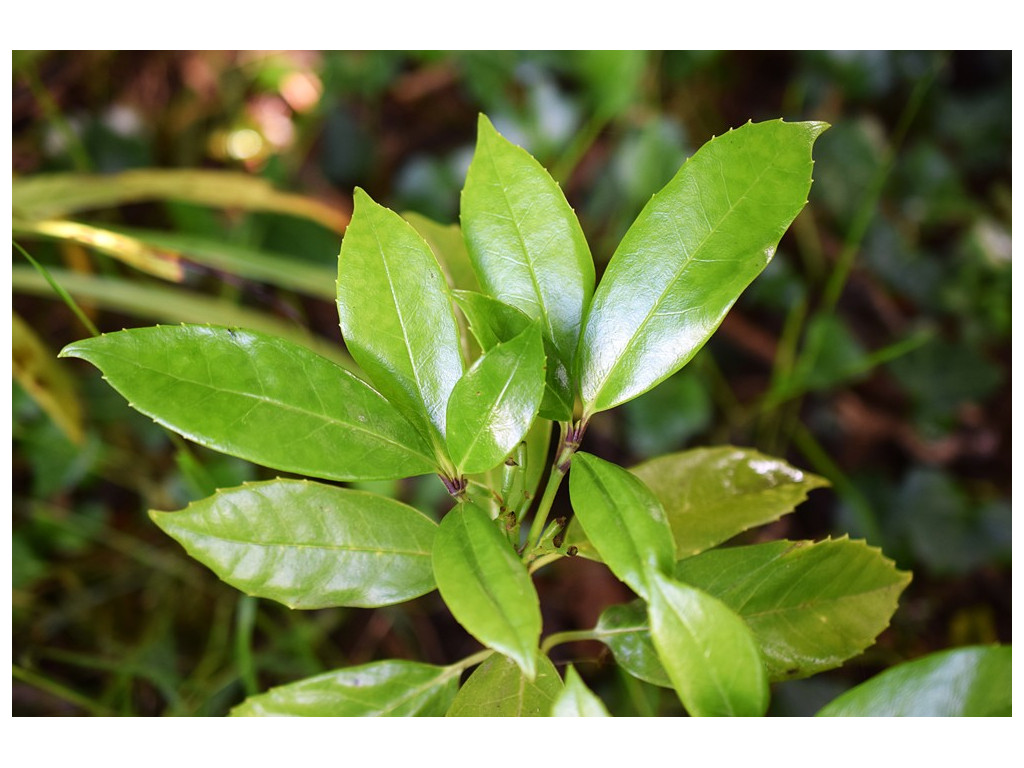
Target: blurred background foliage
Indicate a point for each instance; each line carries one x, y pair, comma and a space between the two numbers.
214, 187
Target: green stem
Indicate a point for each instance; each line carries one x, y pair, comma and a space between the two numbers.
64, 295
469, 661
245, 621
571, 636
540, 562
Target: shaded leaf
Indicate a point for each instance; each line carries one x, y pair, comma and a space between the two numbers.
391, 688
810, 606
397, 316
622, 519
486, 586
260, 398
499, 688
690, 253
276, 269
965, 682
35, 368
707, 651
526, 244
576, 700
492, 322
493, 405
625, 629
712, 494
309, 545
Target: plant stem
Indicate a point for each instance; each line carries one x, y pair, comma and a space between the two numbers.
470, 661
572, 434
64, 295
245, 621
60, 691
571, 636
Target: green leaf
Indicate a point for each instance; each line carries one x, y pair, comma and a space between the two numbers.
576, 700
492, 322
309, 545
964, 682
486, 586
625, 629
493, 405
690, 253
498, 688
259, 398
622, 519
391, 688
708, 652
527, 245
164, 303
397, 316
810, 606
712, 494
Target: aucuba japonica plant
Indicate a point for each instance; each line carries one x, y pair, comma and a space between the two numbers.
464, 378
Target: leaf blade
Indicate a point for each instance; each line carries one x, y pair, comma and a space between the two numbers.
498, 688
963, 682
712, 494
525, 242
622, 520
397, 317
725, 212
707, 651
309, 545
576, 700
811, 606
486, 586
393, 688
260, 398
493, 405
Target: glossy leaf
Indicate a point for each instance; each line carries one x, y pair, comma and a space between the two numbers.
964, 682
391, 688
625, 629
62, 194
174, 304
498, 688
309, 545
712, 494
576, 700
526, 243
259, 398
707, 651
486, 586
690, 253
492, 322
810, 606
622, 519
397, 316
47, 382
494, 404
